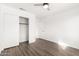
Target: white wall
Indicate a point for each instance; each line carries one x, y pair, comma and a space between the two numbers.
5, 29
62, 26
1, 30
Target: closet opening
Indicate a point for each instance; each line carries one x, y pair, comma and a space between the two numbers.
23, 29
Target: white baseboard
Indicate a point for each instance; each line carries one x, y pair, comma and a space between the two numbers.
1, 50
32, 41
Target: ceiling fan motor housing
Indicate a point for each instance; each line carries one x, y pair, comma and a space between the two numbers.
45, 4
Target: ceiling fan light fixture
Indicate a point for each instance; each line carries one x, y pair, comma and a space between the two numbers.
45, 5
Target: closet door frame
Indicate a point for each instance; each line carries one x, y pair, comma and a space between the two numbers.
27, 26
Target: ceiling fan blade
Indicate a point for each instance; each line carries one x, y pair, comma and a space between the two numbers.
39, 4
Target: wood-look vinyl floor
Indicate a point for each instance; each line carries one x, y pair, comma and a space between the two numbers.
40, 48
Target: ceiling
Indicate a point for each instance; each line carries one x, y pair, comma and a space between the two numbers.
39, 11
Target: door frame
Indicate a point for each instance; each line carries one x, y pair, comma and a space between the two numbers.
27, 28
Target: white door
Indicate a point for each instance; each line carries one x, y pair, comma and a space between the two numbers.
11, 30
23, 23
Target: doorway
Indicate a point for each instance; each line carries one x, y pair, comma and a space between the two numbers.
24, 29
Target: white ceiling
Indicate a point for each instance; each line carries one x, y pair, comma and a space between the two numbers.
39, 11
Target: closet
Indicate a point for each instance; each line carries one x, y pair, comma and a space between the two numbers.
23, 29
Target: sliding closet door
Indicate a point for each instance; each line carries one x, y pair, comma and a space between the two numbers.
11, 30
23, 27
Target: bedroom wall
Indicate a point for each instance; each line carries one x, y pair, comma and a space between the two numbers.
62, 26
6, 25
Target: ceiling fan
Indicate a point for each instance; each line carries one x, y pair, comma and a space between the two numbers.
44, 5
